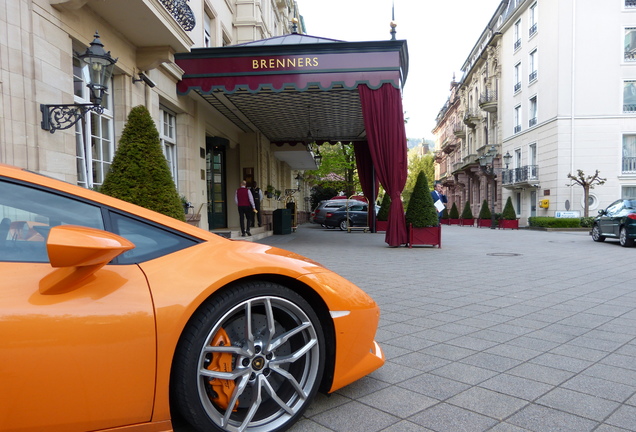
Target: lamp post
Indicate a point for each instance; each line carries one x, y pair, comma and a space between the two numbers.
486, 163
100, 67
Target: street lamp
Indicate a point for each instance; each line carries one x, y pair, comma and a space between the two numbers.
486, 163
100, 67
507, 158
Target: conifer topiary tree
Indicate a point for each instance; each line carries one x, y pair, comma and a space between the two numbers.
383, 213
467, 213
509, 211
421, 211
139, 172
454, 213
484, 212
445, 213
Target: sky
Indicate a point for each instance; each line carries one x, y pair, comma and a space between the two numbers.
439, 35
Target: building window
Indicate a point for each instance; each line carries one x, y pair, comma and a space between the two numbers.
628, 192
518, 202
168, 136
532, 154
533, 66
517, 118
207, 31
629, 154
630, 44
532, 111
517, 35
533, 20
94, 143
517, 77
629, 96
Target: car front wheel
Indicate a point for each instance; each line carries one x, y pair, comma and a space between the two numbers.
624, 240
251, 359
344, 225
596, 234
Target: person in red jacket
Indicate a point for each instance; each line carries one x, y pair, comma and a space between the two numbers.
245, 202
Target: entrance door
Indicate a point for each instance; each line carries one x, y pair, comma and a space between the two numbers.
533, 203
215, 179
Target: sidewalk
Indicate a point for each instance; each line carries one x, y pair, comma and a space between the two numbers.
498, 330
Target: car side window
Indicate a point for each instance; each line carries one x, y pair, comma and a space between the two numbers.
356, 208
28, 213
614, 208
150, 241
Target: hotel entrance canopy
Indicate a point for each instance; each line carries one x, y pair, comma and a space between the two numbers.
298, 89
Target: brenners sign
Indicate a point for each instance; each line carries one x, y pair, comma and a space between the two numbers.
285, 62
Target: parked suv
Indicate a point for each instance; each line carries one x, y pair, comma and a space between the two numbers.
318, 215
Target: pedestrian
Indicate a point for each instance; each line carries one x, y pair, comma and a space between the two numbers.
257, 194
439, 199
245, 202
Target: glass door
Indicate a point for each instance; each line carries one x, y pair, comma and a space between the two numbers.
215, 179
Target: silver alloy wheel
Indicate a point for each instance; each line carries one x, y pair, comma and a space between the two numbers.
623, 239
596, 234
344, 225
275, 365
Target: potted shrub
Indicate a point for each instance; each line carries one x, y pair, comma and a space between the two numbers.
421, 216
269, 191
509, 216
485, 216
381, 220
445, 219
467, 215
453, 215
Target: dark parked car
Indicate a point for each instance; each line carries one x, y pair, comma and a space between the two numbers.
355, 216
318, 215
618, 220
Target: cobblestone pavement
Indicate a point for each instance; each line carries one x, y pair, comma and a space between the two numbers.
499, 330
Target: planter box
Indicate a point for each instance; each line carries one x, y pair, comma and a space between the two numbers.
431, 236
484, 223
453, 221
510, 224
444, 221
381, 225
467, 222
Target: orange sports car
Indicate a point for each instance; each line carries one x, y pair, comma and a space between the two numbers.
114, 317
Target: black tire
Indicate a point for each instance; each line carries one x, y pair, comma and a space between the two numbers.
596, 234
287, 361
344, 225
624, 240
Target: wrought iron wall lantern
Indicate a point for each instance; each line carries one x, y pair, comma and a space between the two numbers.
100, 67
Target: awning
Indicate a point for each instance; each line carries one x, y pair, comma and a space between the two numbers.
297, 89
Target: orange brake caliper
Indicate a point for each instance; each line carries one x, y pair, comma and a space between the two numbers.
222, 362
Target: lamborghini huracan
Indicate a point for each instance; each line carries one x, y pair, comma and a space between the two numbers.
114, 317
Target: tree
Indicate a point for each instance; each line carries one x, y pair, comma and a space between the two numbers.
484, 212
587, 182
383, 213
421, 211
337, 169
508, 212
139, 172
467, 212
416, 164
454, 212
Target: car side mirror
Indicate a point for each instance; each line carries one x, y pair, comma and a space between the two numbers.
601, 212
78, 252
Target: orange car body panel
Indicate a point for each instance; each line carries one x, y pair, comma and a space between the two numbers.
120, 334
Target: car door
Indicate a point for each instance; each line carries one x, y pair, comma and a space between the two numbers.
76, 354
609, 221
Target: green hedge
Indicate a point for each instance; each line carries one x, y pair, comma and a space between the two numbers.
552, 222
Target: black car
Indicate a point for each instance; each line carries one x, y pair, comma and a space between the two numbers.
346, 216
618, 220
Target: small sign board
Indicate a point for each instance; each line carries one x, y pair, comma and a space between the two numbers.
567, 214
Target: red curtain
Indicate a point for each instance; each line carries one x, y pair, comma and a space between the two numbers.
368, 181
384, 124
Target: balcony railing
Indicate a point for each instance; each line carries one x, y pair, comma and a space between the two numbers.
629, 165
524, 174
532, 76
532, 122
517, 44
630, 3
517, 128
629, 108
488, 101
181, 12
533, 29
630, 55
517, 87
